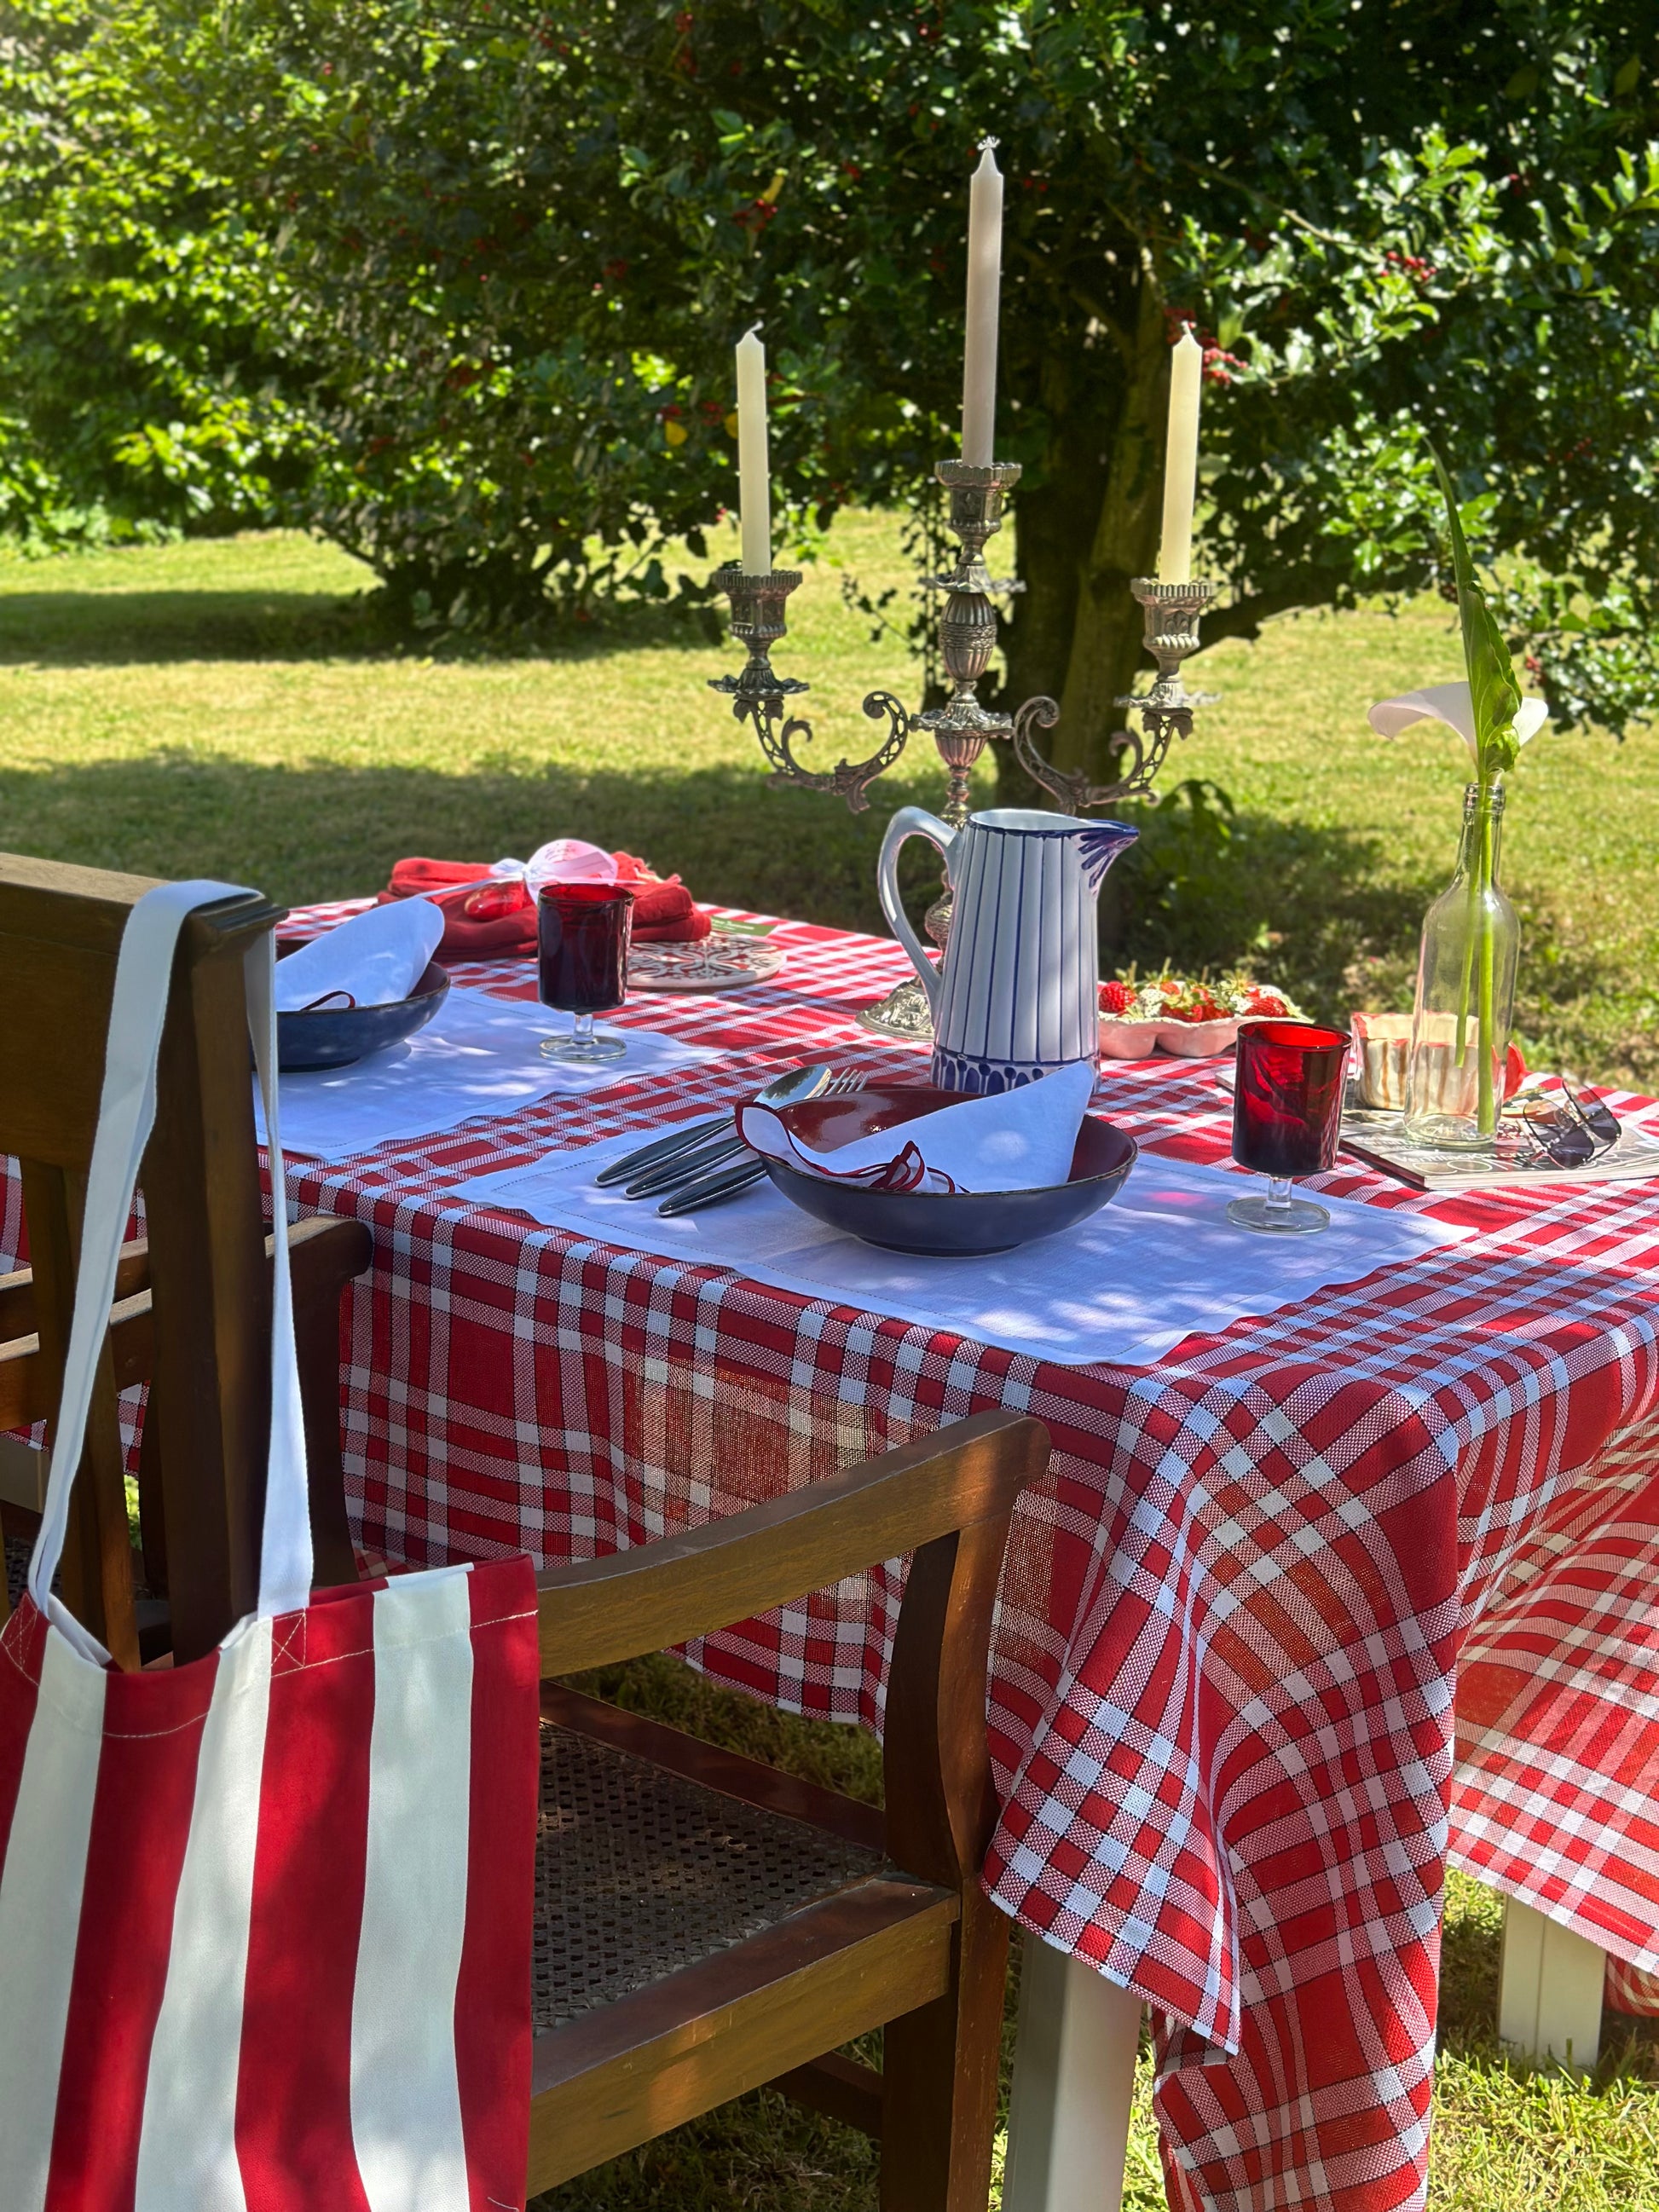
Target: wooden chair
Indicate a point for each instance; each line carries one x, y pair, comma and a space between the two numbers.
706, 1924
193, 1299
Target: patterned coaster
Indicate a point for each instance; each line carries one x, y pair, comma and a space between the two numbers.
719, 963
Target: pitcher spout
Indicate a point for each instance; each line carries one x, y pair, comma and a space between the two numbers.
1099, 844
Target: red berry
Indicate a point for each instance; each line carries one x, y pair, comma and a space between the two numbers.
1115, 997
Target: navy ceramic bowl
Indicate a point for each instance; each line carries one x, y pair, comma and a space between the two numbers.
333, 1036
961, 1224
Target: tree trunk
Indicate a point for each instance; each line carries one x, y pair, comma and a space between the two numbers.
1082, 536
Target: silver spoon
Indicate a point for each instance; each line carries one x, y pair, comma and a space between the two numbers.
691, 1165
783, 1090
705, 1189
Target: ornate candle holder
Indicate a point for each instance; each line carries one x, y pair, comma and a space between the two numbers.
1171, 613
964, 726
758, 693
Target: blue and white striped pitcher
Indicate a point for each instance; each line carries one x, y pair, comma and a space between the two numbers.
1018, 993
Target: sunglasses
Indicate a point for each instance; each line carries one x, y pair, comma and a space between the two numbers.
1568, 1135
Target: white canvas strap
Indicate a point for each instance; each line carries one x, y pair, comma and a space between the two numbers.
126, 1114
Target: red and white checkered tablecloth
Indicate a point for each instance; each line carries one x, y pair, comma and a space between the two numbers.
1305, 1611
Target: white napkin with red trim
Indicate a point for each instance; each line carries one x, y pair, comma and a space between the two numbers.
1019, 1140
373, 959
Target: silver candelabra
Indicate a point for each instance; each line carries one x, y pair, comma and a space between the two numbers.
962, 726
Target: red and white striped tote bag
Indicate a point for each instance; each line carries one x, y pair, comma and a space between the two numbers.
265, 1918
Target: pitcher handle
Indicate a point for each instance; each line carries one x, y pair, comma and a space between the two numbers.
910, 822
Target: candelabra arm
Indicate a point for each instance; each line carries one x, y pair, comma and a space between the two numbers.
758, 693
1171, 613
847, 779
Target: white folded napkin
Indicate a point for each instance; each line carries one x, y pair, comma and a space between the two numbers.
1020, 1139
1449, 703
374, 959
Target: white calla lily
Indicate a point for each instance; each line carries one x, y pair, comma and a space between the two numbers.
1452, 704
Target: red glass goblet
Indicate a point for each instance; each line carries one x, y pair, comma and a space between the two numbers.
1287, 1118
582, 932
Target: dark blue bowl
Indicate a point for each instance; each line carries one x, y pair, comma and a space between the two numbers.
333, 1036
962, 1224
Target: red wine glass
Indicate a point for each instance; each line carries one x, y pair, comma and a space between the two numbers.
1287, 1118
582, 932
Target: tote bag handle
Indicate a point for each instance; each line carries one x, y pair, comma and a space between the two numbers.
126, 1114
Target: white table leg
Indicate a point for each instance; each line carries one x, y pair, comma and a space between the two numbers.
1074, 2076
1549, 1990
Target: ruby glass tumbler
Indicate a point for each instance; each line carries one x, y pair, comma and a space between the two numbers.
1287, 1118
582, 933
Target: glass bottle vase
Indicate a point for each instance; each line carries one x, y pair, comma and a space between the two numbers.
1465, 1007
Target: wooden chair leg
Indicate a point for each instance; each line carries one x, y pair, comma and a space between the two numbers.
940, 2072
97, 1566
324, 1265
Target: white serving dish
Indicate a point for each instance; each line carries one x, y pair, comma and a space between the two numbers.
1123, 1040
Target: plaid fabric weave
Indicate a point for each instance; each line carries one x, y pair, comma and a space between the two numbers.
1235, 1624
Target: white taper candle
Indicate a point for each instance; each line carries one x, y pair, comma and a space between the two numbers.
754, 483
1175, 556
979, 362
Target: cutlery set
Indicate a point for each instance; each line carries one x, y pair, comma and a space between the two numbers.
707, 1161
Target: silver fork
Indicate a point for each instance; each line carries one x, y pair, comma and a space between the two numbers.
717, 1149
705, 1189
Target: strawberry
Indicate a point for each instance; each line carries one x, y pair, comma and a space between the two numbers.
1115, 997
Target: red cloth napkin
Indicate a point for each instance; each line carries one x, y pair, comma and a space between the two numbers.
496, 919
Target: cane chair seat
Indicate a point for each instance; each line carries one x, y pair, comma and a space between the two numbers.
639, 1872
697, 1914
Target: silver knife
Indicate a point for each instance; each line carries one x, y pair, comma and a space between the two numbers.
711, 1188
784, 1089
686, 1166
677, 1140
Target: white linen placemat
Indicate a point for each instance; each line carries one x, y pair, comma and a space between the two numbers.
1160, 1262
478, 1054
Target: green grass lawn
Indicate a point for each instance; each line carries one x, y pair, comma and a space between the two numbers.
222, 709
219, 706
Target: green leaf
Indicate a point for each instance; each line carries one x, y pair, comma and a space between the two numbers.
1493, 688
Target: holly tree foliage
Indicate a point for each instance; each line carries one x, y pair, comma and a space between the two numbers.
474, 270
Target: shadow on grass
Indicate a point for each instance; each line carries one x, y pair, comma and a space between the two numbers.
118, 629
1302, 906
1320, 912
323, 831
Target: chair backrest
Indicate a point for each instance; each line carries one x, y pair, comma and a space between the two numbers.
60, 932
